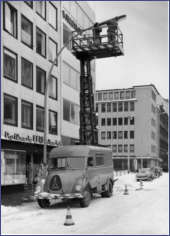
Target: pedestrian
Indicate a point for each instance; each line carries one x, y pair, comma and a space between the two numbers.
96, 34
112, 31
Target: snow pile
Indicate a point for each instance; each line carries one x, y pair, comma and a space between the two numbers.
8, 210
129, 180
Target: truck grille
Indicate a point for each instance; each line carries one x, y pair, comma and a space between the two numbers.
55, 183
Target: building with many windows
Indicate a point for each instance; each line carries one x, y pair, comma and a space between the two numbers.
128, 121
32, 34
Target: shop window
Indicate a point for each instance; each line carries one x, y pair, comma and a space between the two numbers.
120, 149
125, 134
114, 121
29, 3
109, 121
40, 80
40, 42
39, 118
103, 107
52, 51
120, 106
132, 135
114, 107
26, 31
125, 106
125, 148
27, 114
125, 120
52, 19
52, 122
41, 8
108, 107
10, 110
26, 73
103, 135
108, 135
10, 65
132, 106
120, 121
53, 88
120, 134
66, 36
114, 133
103, 122
10, 19
132, 147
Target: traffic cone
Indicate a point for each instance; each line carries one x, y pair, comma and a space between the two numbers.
69, 220
141, 184
126, 192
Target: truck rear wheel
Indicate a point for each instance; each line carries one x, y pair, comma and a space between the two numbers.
43, 203
109, 191
85, 201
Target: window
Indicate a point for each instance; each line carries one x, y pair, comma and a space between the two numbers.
10, 65
114, 148
153, 96
71, 76
153, 135
103, 121
90, 161
26, 31
110, 95
52, 122
153, 122
10, 110
153, 148
132, 147
114, 133
27, 115
104, 96
120, 106
108, 135
66, 36
66, 110
29, 3
120, 148
52, 19
41, 8
99, 160
125, 106
40, 80
109, 121
99, 96
132, 134
70, 112
133, 94
52, 50
103, 107
132, 120
153, 108
39, 118
125, 148
53, 87
122, 95
103, 135
114, 107
116, 95
97, 107
114, 121
10, 19
120, 121
132, 106
108, 107
127, 94
40, 42
26, 73
120, 134
125, 120
125, 134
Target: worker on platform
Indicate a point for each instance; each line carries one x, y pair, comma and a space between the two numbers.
96, 34
112, 31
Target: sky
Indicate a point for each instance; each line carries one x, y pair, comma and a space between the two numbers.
146, 50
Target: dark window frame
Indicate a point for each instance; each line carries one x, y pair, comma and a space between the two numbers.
56, 29
5, 48
30, 46
44, 18
13, 8
42, 108
22, 58
56, 64
54, 133
16, 116
39, 68
41, 31
24, 101
31, 6
56, 88
132, 134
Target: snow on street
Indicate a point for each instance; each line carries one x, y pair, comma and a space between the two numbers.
144, 212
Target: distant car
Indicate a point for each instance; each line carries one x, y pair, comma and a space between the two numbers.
145, 174
157, 171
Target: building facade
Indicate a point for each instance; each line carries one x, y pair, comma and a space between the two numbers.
32, 34
128, 121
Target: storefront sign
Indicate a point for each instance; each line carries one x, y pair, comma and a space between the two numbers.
30, 139
70, 21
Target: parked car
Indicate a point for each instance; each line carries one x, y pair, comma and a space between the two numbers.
76, 172
145, 174
157, 171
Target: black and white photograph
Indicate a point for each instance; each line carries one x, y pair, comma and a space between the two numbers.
84, 117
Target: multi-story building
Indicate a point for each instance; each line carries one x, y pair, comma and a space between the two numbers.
128, 122
32, 34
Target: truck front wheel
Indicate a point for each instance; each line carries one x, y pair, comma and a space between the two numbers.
109, 190
85, 201
43, 203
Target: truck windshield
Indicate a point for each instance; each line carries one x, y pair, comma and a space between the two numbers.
67, 163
